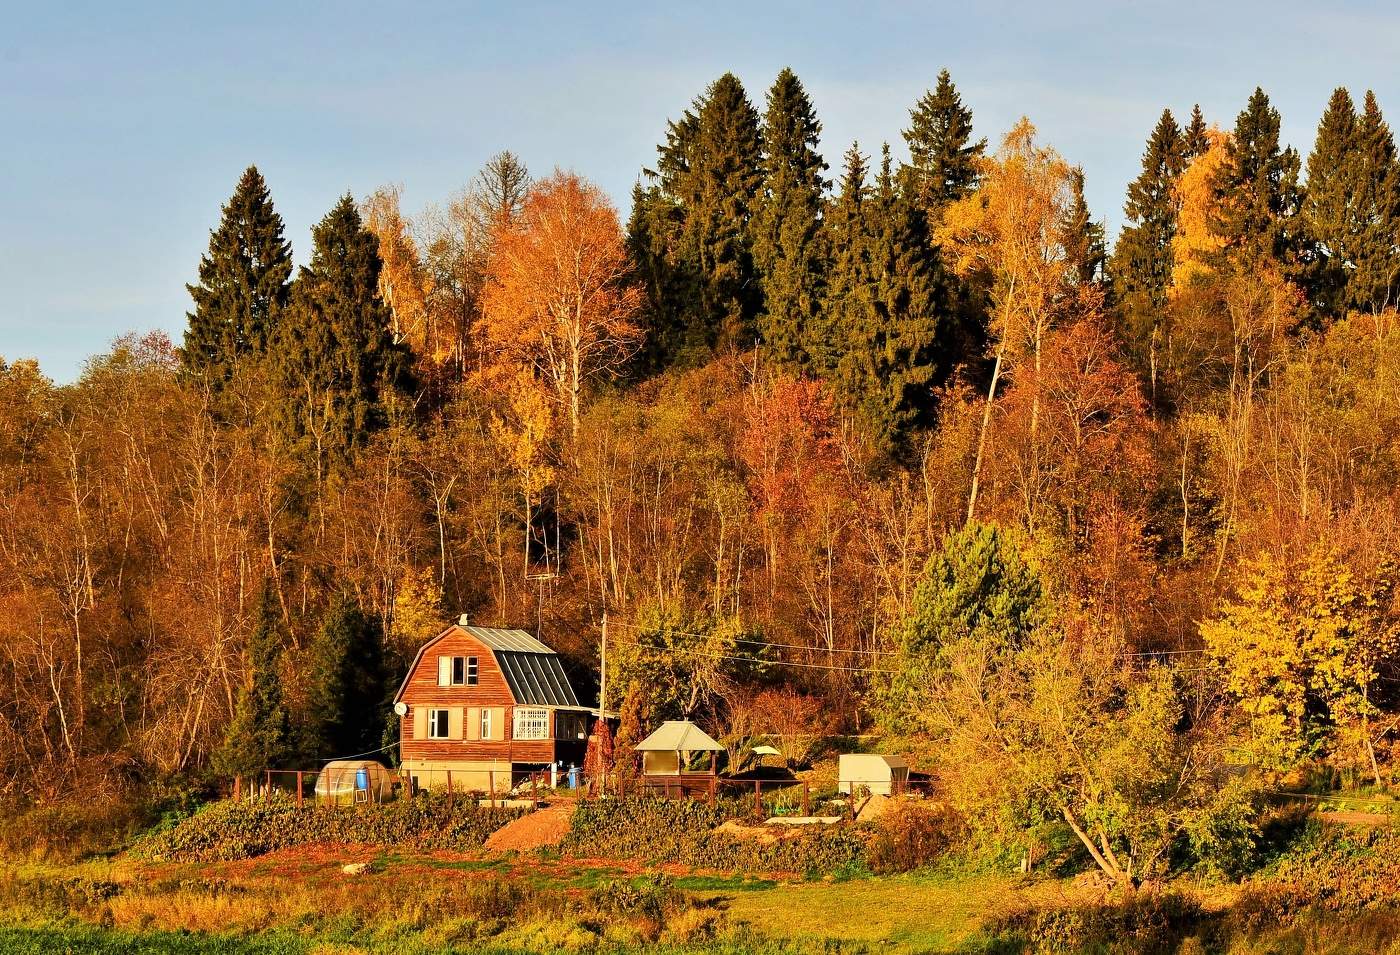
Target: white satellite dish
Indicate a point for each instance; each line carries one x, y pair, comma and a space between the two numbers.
401, 708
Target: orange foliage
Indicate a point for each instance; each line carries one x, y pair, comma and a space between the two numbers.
1195, 241
558, 298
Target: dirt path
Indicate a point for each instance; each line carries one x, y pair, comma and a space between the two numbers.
535, 830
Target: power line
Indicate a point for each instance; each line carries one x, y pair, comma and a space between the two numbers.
750, 640
782, 663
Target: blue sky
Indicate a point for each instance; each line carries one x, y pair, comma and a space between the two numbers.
125, 126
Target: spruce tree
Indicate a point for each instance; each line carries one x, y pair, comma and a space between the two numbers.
335, 363
1375, 283
260, 735
1335, 183
848, 277
942, 156
1142, 258
1194, 139
1084, 238
347, 695
1259, 190
242, 288
787, 251
884, 307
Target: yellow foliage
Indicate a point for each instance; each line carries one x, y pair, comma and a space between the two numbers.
417, 609
1196, 241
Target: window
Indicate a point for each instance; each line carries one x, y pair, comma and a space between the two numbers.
485, 723
570, 726
438, 721
531, 723
457, 671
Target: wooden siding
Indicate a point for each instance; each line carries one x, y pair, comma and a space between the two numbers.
421, 692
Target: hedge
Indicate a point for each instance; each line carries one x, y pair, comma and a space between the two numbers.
682, 831
241, 830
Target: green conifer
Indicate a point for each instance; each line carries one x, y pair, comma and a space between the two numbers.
259, 737
1335, 182
942, 156
335, 363
347, 696
1084, 238
1375, 283
242, 286
1194, 140
1259, 185
786, 242
848, 274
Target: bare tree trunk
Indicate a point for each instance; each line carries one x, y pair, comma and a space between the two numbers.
982, 434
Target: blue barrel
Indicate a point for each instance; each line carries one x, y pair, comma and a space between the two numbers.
362, 779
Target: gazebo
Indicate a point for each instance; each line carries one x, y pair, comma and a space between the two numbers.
665, 755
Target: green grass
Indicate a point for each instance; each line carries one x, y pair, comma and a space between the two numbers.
52, 940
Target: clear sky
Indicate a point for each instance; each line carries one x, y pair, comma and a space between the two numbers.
125, 126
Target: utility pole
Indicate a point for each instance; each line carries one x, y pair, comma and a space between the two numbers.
603, 676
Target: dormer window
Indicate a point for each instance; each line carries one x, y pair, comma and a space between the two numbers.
457, 671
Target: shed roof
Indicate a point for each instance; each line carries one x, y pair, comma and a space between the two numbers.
678, 736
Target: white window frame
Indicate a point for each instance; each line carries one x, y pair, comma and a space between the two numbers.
439, 728
458, 675
486, 723
531, 722
471, 671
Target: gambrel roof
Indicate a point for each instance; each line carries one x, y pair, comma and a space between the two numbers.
532, 670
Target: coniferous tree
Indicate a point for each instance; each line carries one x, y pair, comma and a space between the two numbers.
1194, 138
1258, 217
335, 363
706, 186
943, 159
242, 288
1142, 259
786, 244
848, 272
1375, 283
346, 690
260, 735
1083, 237
1330, 205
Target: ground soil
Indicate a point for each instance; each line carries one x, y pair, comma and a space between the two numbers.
534, 830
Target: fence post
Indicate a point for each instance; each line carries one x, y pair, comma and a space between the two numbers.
714, 786
806, 799
299, 789
267, 788
449, 785
491, 786
757, 800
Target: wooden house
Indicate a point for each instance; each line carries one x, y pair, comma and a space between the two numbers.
487, 706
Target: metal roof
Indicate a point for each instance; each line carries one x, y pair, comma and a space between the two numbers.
517, 640
536, 679
678, 736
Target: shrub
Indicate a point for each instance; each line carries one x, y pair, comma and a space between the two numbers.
1144, 923
242, 830
680, 831
910, 835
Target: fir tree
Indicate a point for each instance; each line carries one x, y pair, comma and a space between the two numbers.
335, 363
1260, 196
346, 691
1194, 138
1084, 238
942, 156
786, 248
242, 286
1375, 283
848, 277
260, 735
1330, 207
706, 186
884, 306
1142, 259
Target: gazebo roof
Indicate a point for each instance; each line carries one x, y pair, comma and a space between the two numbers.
678, 736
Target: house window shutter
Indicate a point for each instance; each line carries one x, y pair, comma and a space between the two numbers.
454, 722
498, 722
420, 722
444, 671
473, 722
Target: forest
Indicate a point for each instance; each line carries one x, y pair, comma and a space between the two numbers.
904, 446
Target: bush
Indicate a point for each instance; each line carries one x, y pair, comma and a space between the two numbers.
1143, 924
911, 835
242, 830
681, 831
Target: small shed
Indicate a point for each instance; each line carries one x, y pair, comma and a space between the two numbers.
664, 751
349, 781
872, 773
